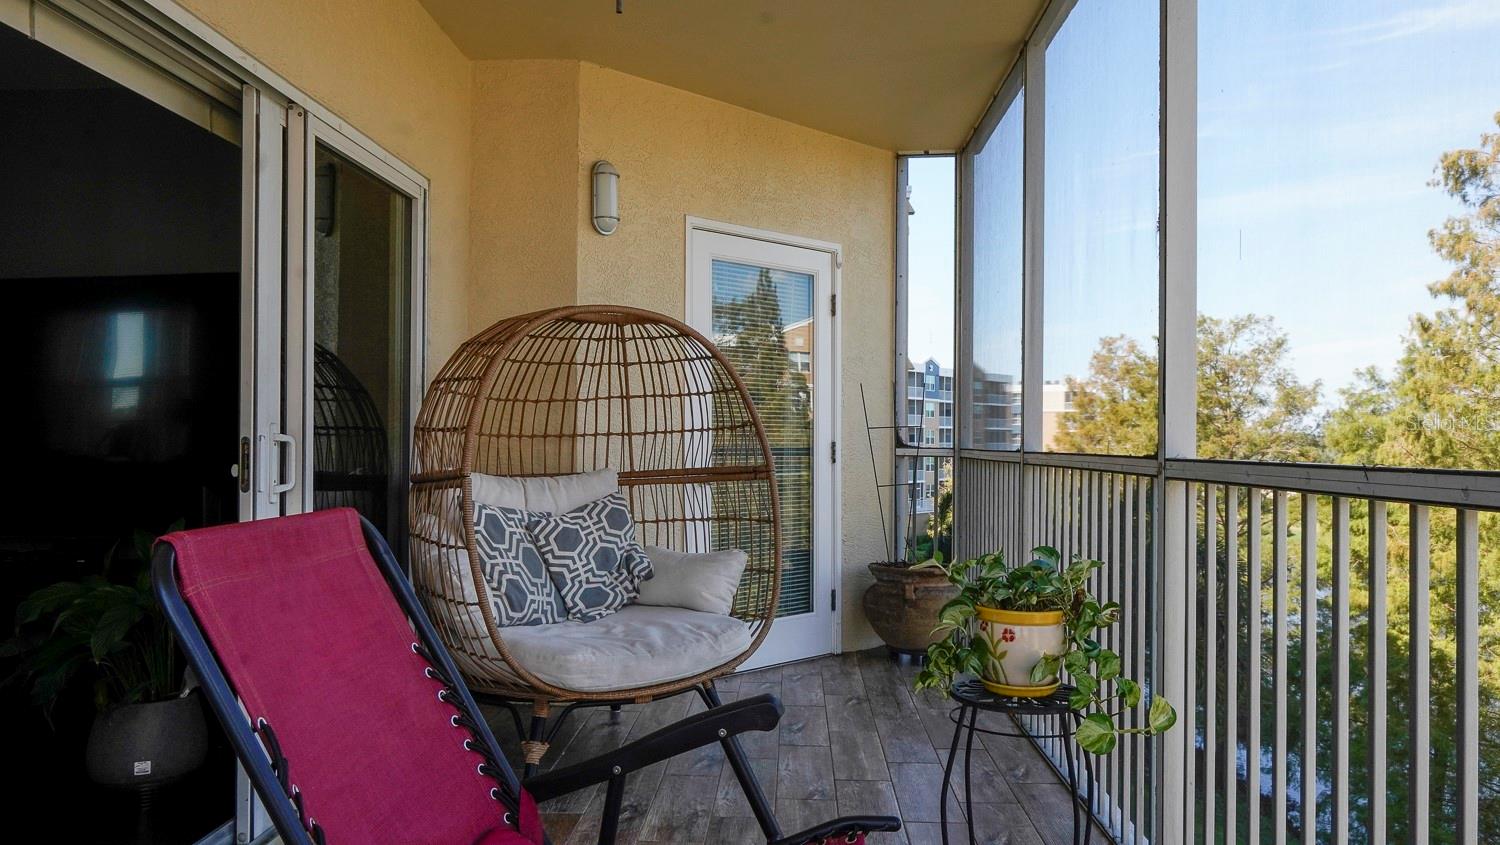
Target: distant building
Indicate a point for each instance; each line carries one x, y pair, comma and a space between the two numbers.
1057, 400
929, 424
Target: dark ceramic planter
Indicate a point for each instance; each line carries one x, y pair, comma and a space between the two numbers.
147, 745
902, 605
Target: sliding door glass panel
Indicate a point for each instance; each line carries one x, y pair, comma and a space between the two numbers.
1102, 178
763, 322
361, 232
995, 377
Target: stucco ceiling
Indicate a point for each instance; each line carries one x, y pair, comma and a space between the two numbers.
898, 74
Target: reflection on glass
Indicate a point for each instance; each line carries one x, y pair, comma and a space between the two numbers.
362, 270
763, 322
995, 386
1102, 161
127, 362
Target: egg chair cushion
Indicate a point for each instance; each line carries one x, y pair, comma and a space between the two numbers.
592, 555
544, 493
521, 591
705, 581
638, 646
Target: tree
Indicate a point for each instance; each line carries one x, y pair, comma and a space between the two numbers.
1114, 409
1250, 404
1441, 409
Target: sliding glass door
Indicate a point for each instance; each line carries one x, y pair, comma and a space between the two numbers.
352, 258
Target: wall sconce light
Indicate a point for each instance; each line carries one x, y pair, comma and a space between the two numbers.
606, 198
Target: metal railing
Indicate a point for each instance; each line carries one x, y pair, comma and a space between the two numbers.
1299, 595
1353, 716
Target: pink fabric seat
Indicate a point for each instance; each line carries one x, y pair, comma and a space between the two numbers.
317, 648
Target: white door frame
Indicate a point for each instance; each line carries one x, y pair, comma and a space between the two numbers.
305, 131
698, 303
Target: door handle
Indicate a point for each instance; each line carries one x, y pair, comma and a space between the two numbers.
278, 485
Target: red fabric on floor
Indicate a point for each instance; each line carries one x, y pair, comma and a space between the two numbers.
314, 642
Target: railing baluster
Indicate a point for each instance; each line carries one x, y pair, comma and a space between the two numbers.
1231, 660
1420, 742
1375, 685
1113, 563
1143, 630
1309, 669
1191, 722
1253, 670
1279, 609
1468, 676
1210, 561
1341, 723
1128, 775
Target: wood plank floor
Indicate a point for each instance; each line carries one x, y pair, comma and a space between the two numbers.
854, 740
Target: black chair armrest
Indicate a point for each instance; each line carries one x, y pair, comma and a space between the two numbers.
841, 827
760, 713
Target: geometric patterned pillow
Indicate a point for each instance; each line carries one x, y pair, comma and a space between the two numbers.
520, 591
592, 555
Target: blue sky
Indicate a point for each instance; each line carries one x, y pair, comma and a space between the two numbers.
1319, 127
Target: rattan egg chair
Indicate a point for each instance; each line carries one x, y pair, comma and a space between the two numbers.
570, 390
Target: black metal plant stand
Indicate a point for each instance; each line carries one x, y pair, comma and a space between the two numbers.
972, 697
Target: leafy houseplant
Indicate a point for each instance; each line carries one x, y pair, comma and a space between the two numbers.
109, 625
1029, 623
902, 603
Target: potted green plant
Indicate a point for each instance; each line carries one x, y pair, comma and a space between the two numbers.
1018, 628
903, 603
147, 730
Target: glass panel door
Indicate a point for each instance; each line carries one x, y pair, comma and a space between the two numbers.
760, 303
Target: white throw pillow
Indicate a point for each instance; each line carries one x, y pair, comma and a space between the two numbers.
544, 493
704, 582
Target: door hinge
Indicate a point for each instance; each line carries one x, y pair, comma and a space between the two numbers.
833, 452
833, 305
833, 600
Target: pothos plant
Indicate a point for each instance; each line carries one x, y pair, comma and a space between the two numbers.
108, 625
1045, 583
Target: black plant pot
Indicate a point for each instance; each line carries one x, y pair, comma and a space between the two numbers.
142, 746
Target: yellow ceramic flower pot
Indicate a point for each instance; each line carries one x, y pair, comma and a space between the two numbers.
1018, 640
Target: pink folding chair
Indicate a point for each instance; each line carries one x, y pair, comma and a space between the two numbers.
350, 717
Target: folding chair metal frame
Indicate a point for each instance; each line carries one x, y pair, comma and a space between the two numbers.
722, 723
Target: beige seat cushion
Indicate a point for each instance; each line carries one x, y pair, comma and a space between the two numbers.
637, 647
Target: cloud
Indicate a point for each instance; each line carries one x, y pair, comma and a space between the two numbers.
1325, 192
1450, 17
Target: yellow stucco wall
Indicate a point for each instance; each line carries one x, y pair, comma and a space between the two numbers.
680, 154
507, 147
523, 241
388, 69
